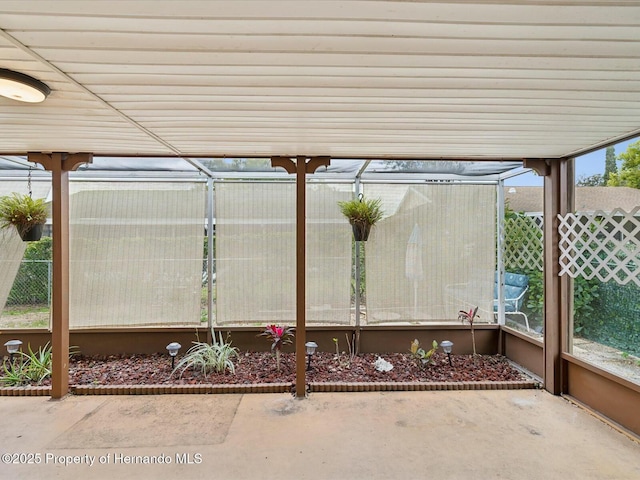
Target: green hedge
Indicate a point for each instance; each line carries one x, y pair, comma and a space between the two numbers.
616, 319
607, 313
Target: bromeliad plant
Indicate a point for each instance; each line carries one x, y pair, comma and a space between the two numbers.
279, 335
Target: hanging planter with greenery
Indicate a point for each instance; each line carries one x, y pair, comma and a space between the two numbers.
362, 215
25, 213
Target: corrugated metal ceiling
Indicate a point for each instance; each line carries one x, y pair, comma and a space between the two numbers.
348, 79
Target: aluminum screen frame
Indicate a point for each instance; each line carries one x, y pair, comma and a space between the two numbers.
255, 253
136, 251
432, 254
12, 247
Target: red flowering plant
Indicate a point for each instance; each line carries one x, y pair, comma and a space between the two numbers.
279, 335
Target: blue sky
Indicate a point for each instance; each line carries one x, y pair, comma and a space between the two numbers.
586, 165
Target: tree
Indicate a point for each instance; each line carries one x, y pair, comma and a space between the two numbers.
629, 174
610, 165
596, 180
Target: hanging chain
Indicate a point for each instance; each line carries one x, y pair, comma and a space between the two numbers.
29, 182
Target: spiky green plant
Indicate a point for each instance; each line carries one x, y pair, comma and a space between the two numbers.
362, 211
22, 211
215, 357
39, 363
14, 374
28, 368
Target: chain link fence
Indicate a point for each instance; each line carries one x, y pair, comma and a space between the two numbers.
29, 301
32, 286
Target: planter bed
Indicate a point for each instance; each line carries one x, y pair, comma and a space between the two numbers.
257, 373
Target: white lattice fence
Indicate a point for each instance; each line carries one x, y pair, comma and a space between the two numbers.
601, 245
523, 242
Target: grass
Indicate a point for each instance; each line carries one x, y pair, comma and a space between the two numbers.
30, 316
37, 323
25, 309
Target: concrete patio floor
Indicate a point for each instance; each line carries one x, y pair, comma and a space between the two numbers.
506, 434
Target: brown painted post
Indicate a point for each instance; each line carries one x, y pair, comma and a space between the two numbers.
301, 268
567, 205
60, 164
300, 168
558, 200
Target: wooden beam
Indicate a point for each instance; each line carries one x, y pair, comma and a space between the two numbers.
59, 164
541, 167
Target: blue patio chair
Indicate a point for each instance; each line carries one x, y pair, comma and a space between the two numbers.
515, 287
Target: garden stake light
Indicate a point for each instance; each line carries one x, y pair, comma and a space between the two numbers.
447, 346
12, 347
173, 348
311, 349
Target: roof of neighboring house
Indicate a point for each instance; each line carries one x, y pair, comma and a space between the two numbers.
588, 199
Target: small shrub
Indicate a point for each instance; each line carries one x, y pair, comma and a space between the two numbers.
585, 296
422, 356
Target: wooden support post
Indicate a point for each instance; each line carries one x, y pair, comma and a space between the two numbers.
60, 164
301, 167
558, 200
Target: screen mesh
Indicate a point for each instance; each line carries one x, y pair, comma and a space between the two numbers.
11, 251
11, 245
433, 254
136, 253
255, 253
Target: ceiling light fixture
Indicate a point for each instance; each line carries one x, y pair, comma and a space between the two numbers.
21, 87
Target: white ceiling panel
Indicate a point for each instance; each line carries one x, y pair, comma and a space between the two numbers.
351, 79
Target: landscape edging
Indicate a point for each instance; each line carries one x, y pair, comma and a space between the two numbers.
282, 387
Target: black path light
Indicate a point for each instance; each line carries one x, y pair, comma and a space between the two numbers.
12, 347
173, 348
311, 349
447, 346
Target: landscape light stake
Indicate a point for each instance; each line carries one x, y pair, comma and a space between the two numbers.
12, 347
311, 349
173, 348
447, 346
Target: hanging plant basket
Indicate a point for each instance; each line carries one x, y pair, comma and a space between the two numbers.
33, 234
26, 214
362, 215
361, 232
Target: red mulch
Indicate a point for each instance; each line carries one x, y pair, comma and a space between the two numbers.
261, 368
